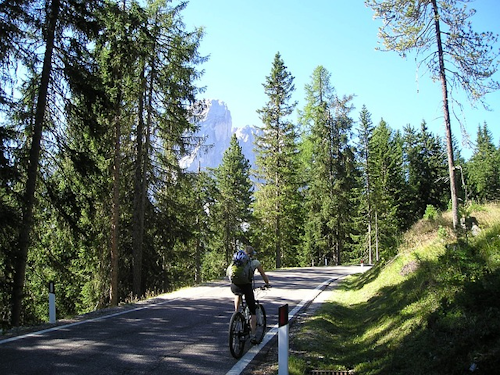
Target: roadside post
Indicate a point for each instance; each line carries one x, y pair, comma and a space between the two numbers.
52, 302
283, 340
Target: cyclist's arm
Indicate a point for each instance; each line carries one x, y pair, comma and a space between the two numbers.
263, 274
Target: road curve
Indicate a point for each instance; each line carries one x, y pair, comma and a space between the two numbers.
184, 332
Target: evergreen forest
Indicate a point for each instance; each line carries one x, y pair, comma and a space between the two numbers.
99, 101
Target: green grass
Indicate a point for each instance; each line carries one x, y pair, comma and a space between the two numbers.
432, 309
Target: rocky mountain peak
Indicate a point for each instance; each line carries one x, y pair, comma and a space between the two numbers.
216, 125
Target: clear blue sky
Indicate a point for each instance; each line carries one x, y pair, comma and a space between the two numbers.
242, 38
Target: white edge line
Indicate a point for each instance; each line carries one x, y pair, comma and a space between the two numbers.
254, 350
235, 370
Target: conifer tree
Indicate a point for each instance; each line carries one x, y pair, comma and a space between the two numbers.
426, 164
52, 18
13, 23
483, 167
277, 205
165, 104
13, 27
118, 106
455, 55
365, 131
61, 33
234, 198
386, 166
333, 174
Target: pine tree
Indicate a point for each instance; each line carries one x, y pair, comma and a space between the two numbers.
332, 180
166, 96
483, 167
12, 23
234, 197
427, 175
121, 89
365, 132
118, 55
10, 219
13, 26
277, 196
172, 113
43, 72
386, 166
420, 26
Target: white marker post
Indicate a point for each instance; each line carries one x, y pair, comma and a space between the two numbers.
52, 302
283, 340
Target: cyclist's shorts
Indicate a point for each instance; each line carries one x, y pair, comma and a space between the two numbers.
247, 291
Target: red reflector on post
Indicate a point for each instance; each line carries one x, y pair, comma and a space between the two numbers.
283, 315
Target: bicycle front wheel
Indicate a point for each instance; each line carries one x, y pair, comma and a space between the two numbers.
261, 323
237, 334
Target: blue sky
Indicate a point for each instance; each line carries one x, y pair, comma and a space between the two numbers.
242, 38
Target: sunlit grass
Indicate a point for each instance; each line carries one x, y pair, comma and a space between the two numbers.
432, 309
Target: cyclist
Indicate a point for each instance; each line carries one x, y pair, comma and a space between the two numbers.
247, 291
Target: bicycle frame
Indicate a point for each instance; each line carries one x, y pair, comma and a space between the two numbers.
240, 326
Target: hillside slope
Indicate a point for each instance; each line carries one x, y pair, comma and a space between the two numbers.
432, 309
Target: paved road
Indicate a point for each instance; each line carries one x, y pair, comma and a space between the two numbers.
178, 333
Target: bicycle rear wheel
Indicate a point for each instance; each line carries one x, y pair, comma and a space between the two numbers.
237, 334
261, 323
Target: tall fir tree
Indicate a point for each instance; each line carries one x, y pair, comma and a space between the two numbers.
483, 169
121, 91
166, 103
234, 198
277, 199
386, 166
427, 175
333, 174
52, 40
365, 131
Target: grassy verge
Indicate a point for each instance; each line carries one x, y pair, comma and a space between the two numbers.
433, 309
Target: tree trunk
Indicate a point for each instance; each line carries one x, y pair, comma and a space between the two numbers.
197, 256
368, 196
446, 111
138, 214
115, 222
278, 242
376, 237
370, 260
277, 229
29, 194
339, 246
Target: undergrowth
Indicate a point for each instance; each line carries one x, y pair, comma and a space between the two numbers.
432, 309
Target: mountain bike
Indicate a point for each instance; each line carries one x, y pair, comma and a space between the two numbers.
239, 326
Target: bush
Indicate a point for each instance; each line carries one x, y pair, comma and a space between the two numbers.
431, 213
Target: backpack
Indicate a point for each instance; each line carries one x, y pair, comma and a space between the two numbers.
240, 269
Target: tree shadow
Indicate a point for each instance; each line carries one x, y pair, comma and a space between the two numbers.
443, 318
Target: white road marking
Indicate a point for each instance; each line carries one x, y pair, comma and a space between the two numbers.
253, 351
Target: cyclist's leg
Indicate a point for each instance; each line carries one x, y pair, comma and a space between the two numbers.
237, 301
261, 323
253, 323
250, 299
238, 292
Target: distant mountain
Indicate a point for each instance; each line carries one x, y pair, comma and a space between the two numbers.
216, 125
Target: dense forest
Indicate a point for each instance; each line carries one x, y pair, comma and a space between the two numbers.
98, 103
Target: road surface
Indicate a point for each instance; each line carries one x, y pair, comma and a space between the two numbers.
184, 332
